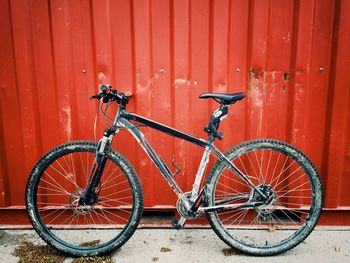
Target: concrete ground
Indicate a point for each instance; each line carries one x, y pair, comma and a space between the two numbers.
199, 245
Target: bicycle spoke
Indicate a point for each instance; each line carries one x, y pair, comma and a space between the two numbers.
116, 216
113, 185
292, 189
114, 200
117, 208
245, 170
228, 187
58, 186
279, 175
240, 217
56, 216
104, 215
110, 178
69, 174
82, 165
66, 177
230, 178
281, 178
278, 183
260, 169
236, 214
252, 166
268, 166
58, 194
56, 189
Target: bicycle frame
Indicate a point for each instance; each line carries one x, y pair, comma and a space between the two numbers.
122, 120
84, 185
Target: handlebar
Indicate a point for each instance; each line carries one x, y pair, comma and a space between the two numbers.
108, 94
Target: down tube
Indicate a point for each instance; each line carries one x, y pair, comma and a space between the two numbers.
163, 168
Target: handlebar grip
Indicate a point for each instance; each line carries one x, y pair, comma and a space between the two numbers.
97, 96
108, 94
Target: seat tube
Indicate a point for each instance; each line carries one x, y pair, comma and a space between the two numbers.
200, 172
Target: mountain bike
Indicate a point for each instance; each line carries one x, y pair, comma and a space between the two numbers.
262, 197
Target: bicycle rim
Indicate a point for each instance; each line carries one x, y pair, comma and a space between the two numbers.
56, 195
281, 171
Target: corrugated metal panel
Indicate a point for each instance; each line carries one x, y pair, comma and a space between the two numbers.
290, 57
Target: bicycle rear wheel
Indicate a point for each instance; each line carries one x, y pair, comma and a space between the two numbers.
53, 191
280, 171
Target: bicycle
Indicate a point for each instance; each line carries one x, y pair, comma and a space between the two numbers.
262, 197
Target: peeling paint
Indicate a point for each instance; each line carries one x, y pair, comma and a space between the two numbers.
264, 88
265, 79
180, 81
150, 81
286, 39
101, 77
68, 122
138, 79
143, 162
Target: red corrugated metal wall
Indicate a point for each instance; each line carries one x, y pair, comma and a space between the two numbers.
292, 58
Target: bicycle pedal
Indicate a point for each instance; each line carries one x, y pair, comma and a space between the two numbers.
178, 223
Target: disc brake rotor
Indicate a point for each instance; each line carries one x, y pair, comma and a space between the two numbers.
271, 206
74, 203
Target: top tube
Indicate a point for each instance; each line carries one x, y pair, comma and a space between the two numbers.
163, 128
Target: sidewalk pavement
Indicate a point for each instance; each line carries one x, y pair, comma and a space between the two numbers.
198, 245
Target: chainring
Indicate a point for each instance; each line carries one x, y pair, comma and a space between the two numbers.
182, 209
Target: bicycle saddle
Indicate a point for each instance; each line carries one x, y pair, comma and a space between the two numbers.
226, 98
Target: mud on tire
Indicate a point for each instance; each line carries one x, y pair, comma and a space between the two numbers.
230, 233
83, 148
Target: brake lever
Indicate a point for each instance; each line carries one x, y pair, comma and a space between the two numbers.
97, 96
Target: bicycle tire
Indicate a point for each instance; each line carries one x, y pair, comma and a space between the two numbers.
52, 232
242, 237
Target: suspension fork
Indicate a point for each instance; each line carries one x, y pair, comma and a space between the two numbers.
90, 197
99, 164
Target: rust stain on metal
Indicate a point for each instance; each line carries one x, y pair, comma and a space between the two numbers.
181, 82
138, 79
263, 79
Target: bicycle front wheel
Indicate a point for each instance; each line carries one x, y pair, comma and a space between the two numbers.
53, 190
281, 172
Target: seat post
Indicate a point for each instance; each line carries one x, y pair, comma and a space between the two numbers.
216, 117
